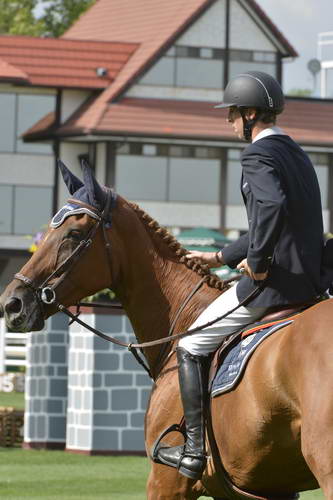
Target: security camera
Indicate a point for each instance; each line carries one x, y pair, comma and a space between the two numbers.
101, 71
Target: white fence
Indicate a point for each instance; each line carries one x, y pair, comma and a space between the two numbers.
12, 348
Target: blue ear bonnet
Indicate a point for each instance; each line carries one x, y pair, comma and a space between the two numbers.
82, 195
70, 209
90, 193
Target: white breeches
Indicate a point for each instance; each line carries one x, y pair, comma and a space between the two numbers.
208, 340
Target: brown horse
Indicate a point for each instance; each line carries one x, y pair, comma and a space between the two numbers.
273, 432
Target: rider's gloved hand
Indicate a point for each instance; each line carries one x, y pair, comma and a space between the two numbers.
245, 268
211, 259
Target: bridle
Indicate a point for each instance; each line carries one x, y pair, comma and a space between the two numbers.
46, 292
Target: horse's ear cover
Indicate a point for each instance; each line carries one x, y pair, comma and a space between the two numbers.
72, 182
96, 194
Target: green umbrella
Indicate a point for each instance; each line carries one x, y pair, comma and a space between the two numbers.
206, 240
202, 239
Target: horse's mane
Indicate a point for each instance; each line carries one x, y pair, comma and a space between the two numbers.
203, 270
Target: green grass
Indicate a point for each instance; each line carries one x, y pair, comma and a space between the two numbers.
32, 474
55, 474
312, 495
15, 399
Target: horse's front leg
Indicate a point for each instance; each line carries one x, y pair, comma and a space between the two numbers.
165, 483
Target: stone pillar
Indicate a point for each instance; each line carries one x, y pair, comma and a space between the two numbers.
108, 389
46, 385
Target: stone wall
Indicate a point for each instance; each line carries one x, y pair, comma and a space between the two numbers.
46, 385
82, 392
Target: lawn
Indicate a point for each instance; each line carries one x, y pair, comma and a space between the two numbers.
58, 475
31, 474
55, 474
15, 399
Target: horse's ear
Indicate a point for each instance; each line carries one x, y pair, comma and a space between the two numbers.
95, 192
72, 182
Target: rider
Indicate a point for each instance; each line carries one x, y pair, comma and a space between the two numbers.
282, 248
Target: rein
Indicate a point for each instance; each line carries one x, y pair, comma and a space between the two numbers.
46, 293
163, 340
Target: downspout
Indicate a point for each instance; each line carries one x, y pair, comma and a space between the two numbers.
56, 152
227, 44
224, 151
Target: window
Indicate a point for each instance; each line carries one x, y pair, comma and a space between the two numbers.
6, 212
24, 209
320, 162
18, 113
196, 181
202, 73
141, 178
203, 67
234, 173
164, 172
7, 123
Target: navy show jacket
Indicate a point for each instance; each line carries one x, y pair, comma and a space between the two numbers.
282, 198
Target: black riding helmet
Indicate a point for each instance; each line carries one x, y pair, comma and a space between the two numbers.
253, 89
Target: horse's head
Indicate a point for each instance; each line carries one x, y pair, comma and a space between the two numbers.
72, 261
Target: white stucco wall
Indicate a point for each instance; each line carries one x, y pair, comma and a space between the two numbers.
183, 214
70, 102
100, 167
208, 30
245, 32
182, 93
26, 169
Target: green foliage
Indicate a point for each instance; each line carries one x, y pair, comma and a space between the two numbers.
104, 295
300, 92
17, 18
59, 15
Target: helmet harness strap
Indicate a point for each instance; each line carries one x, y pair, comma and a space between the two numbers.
248, 124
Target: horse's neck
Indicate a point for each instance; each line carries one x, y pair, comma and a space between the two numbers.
154, 305
153, 290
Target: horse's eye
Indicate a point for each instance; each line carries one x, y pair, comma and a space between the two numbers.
74, 234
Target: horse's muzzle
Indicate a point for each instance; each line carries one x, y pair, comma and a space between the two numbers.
21, 310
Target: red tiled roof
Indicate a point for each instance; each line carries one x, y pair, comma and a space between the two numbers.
309, 122
155, 24
8, 72
56, 62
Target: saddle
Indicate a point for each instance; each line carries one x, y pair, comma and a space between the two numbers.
273, 316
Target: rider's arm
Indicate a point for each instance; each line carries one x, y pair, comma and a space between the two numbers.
234, 253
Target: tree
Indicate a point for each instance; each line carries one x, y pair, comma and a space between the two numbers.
59, 15
17, 18
300, 92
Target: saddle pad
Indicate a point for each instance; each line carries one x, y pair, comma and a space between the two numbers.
235, 361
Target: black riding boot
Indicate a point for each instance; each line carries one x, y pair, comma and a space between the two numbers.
190, 458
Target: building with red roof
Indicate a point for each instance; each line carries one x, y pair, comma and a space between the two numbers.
132, 87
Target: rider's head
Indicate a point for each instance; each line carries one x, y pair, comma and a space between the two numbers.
254, 96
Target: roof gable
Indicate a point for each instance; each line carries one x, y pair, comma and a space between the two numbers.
154, 24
